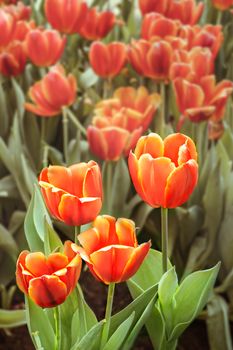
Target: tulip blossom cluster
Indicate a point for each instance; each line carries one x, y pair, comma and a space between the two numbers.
222, 5
124, 118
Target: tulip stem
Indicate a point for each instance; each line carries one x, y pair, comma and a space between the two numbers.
65, 134
219, 17
164, 226
162, 109
57, 327
77, 230
104, 339
76, 122
44, 147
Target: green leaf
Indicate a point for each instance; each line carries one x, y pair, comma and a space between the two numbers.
51, 238
39, 213
190, 298
20, 97
83, 318
7, 243
88, 78
38, 323
150, 271
218, 324
120, 334
138, 305
91, 339
12, 318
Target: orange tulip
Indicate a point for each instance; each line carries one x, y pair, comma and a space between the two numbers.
67, 16
192, 65
48, 280
222, 5
13, 59
209, 36
97, 24
206, 100
159, 6
110, 249
124, 118
44, 48
164, 173
156, 26
22, 29
152, 60
73, 195
7, 28
107, 60
53, 92
187, 11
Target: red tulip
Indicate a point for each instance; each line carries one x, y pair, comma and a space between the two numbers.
7, 28
107, 60
48, 280
97, 24
164, 173
19, 11
44, 48
67, 16
159, 6
123, 118
13, 59
22, 29
73, 195
152, 60
52, 93
222, 4
206, 100
156, 26
192, 65
110, 249
187, 11
209, 36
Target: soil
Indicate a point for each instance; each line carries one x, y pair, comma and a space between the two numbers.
194, 338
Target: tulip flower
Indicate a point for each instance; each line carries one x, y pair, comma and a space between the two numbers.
192, 65
187, 11
44, 48
107, 60
159, 6
97, 24
13, 59
152, 60
73, 195
67, 16
7, 28
124, 118
110, 249
222, 5
156, 26
53, 92
19, 11
48, 280
164, 173
202, 101
22, 28
208, 36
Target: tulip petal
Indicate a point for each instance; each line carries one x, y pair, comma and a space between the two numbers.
57, 261
151, 144
172, 144
22, 279
37, 264
47, 291
180, 184
125, 230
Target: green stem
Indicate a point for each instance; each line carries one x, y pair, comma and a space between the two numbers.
164, 226
57, 327
219, 18
44, 147
65, 134
77, 230
162, 109
76, 122
108, 170
104, 339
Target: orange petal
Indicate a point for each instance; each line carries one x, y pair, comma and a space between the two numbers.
153, 174
125, 230
37, 264
92, 184
22, 279
57, 261
151, 144
47, 291
172, 144
181, 184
